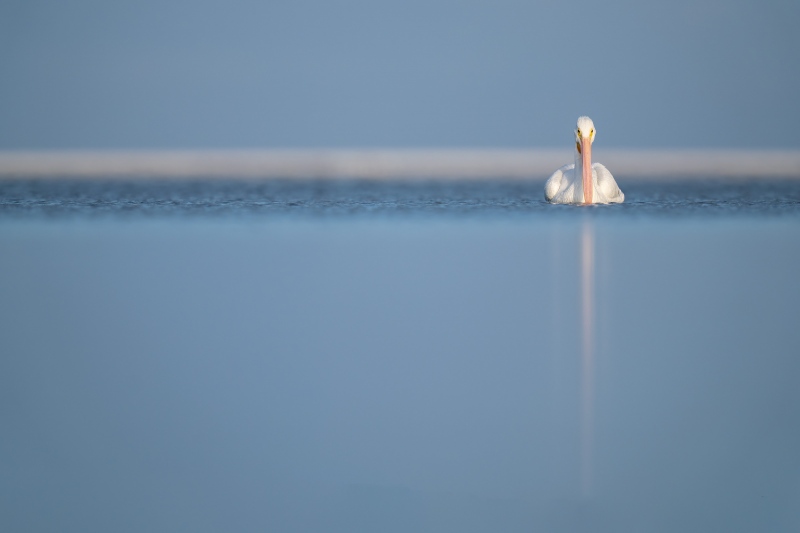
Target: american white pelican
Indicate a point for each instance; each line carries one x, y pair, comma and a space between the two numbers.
583, 182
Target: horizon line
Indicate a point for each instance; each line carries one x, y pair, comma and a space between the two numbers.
390, 163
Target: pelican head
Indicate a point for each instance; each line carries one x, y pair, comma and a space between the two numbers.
584, 129
584, 137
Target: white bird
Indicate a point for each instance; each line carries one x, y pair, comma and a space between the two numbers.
583, 182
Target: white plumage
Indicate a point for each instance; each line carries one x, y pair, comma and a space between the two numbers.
566, 185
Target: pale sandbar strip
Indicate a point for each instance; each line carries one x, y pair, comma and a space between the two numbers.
535, 164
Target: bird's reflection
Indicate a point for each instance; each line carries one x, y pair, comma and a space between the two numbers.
587, 356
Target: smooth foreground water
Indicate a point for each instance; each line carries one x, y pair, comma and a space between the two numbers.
423, 357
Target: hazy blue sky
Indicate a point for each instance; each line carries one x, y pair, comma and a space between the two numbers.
205, 73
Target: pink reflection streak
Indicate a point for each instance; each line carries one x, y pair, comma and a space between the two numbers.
587, 357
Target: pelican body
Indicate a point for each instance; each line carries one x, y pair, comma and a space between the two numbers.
583, 182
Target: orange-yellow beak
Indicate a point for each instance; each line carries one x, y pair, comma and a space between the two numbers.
586, 153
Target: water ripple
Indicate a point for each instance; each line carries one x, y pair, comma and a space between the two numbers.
78, 198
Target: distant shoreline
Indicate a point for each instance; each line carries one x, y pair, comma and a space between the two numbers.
535, 164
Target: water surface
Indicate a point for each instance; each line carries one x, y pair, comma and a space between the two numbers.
398, 357
309, 198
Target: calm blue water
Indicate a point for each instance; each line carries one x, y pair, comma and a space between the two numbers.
429, 357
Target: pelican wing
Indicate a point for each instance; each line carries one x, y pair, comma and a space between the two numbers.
556, 182
606, 186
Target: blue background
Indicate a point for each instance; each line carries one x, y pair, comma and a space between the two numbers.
432, 73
